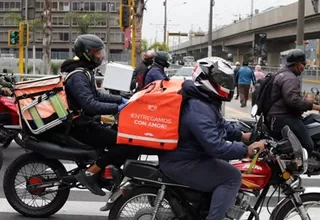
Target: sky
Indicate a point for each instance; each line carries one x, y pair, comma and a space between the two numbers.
184, 15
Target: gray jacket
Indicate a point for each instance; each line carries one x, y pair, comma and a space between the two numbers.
286, 93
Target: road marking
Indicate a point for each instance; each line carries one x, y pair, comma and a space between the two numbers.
70, 208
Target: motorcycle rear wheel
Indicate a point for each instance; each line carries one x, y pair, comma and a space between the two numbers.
289, 207
12, 193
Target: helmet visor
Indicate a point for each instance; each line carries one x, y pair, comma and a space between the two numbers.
224, 80
97, 55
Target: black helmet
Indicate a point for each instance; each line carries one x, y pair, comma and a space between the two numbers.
296, 56
147, 57
162, 58
214, 76
91, 48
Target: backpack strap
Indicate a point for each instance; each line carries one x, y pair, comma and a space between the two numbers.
77, 70
73, 113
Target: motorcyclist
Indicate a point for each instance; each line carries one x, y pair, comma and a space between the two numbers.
141, 70
289, 105
156, 71
87, 103
207, 140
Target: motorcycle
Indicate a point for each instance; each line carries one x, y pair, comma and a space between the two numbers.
9, 129
155, 196
9, 125
42, 175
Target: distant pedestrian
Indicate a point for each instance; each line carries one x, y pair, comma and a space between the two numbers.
236, 79
245, 77
258, 72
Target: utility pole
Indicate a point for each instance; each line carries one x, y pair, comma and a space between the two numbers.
300, 30
108, 32
210, 28
300, 25
165, 22
26, 47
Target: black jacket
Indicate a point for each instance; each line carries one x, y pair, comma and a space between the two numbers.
83, 95
286, 93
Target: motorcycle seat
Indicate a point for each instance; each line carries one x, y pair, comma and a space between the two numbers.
57, 151
313, 125
69, 142
147, 171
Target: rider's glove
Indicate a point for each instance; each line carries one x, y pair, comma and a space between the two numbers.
124, 101
120, 107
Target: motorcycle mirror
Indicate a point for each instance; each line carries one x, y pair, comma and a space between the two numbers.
254, 111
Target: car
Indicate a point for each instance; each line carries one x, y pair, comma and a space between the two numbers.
184, 72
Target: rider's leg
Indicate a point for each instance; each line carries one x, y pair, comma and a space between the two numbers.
208, 175
101, 137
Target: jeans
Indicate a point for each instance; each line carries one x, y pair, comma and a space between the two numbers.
296, 125
100, 137
207, 175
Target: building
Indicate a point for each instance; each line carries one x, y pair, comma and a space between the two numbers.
65, 30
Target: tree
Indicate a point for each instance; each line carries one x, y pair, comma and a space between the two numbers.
159, 46
34, 23
47, 36
144, 45
85, 20
140, 6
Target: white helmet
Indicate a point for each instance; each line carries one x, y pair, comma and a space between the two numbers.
214, 75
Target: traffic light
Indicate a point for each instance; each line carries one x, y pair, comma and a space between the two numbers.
124, 16
13, 37
25, 34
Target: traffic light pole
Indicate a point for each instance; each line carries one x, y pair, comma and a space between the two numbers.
133, 31
21, 71
26, 47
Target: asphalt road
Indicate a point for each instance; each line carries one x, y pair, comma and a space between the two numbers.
82, 205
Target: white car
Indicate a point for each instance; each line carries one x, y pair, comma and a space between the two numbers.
183, 73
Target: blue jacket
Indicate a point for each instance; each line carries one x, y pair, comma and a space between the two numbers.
156, 72
204, 133
82, 93
246, 75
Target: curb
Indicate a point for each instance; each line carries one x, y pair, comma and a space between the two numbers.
311, 81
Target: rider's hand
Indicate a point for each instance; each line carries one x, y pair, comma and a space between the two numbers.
120, 107
124, 101
310, 98
6, 91
245, 137
256, 146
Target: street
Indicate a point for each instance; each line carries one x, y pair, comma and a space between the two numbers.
82, 205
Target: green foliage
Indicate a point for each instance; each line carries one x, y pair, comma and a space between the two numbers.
55, 68
144, 45
85, 20
159, 46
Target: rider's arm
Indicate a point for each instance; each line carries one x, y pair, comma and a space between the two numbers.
290, 90
103, 97
78, 86
203, 125
233, 132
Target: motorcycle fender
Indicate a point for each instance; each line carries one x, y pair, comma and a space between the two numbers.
114, 197
282, 203
278, 207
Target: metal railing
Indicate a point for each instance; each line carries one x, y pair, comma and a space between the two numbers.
18, 76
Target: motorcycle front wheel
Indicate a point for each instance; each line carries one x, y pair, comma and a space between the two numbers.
139, 205
311, 203
33, 178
